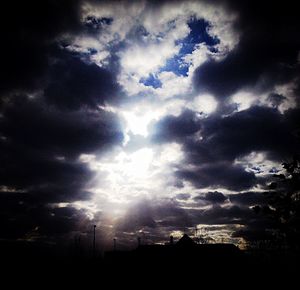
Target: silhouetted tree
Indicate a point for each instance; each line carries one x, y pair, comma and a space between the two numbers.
284, 203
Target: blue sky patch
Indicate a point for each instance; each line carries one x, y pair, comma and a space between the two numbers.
151, 81
198, 34
97, 23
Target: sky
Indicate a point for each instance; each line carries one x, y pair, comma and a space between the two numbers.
145, 118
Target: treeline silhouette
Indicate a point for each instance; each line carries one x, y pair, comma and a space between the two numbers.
283, 206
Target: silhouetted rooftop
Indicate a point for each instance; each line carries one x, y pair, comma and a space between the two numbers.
185, 241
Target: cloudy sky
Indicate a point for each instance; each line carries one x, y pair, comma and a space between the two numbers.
146, 118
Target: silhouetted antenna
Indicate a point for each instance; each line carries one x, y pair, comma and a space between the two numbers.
171, 240
115, 244
144, 237
139, 241
94, 241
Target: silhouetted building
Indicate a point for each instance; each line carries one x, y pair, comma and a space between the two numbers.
185, 251
185, 241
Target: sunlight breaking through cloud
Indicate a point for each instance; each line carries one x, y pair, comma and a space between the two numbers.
144, 117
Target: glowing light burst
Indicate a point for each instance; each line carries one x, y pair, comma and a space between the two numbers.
137, 122
135, 165
130, 176
139, 169
204, 103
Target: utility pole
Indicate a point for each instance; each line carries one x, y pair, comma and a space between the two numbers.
171, 240
115, 244
94, 242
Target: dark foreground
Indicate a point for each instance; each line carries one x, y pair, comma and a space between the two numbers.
149, 266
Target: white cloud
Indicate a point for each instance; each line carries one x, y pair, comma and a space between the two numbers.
203, 103
87, 158
288, 91
137, 122
141, 60
132, 86
199, 55
124, 16
137, 118
173, 85
100, 58
84, 44
165, 25
157, 20
258, 163
246, 99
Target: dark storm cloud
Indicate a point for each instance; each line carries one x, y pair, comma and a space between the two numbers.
145, 215
254, 129
232, 177
276, 99
28, 29
248, 198
73, 83
45, 180
31, 124
266, 54
223, 139
40, 147
212, 197
170, 214
38, 156
137, 217
225, 215
49, 117
32, 221
172, 128
293, 118
60, 220
32, 58
183, 196
260, 228
253, 235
